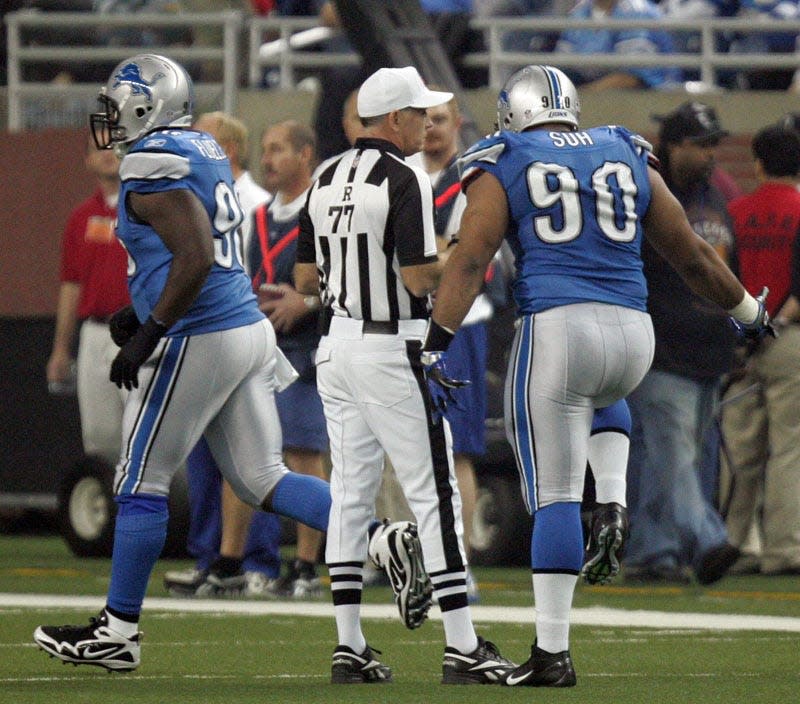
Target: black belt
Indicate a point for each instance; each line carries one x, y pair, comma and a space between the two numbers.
102, 319
379, 327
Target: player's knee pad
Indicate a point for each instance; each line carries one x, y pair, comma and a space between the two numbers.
616, 417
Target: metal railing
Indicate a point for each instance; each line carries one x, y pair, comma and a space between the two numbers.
276, 47
500, 61
55, 97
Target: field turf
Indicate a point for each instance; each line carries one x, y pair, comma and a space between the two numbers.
683, 644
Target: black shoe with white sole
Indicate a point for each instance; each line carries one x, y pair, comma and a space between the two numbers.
348, 667
95, 644
543, 669
484, 665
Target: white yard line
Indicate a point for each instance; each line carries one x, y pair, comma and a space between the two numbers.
593, 616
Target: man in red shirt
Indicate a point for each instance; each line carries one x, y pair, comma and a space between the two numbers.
760, 423
93, 287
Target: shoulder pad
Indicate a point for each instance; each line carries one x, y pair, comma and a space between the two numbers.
153, 165
488, 150
641, 142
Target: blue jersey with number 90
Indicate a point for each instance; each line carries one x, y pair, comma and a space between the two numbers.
576, 203
185, 159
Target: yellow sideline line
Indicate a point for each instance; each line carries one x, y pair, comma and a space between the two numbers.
677, 591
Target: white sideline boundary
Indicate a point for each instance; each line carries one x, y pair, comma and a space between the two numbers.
592, 616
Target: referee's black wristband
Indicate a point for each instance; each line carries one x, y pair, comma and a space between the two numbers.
438, 338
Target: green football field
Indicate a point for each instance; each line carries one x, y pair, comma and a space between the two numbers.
737, 641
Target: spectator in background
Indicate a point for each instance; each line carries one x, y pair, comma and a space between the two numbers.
212, 36
336, 84
450, 21
236, 548
620, 42
673, 524
93, 287
523, 40
689, 42
761, 424
288, 156
140, 36
771, 13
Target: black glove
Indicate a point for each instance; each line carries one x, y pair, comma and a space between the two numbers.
135, 352
440, 385
761, 326
123, 325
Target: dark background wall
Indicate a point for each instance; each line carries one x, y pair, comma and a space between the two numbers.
41, 180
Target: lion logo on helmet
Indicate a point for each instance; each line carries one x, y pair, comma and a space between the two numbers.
131, 75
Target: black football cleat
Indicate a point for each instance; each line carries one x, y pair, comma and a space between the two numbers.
95, 644
609, 531
543, 669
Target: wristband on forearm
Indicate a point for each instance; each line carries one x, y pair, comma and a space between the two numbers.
746, 311
438, 337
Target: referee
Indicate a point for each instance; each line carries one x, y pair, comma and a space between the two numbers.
367, 245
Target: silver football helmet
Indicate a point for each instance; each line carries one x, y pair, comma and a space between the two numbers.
144, 92
537, 95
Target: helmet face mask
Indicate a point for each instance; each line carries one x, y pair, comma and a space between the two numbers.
144, 92
537, 95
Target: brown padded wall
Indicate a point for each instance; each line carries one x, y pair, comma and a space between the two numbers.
42, 178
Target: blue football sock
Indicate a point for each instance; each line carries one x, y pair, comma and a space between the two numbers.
139, 536
557, 540
303, 498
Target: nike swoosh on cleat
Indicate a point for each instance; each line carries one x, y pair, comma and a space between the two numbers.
511, 680
90, 653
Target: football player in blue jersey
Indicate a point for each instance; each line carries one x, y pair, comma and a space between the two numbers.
574, 205
196, 354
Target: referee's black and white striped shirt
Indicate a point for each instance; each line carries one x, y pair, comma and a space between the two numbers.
368, 214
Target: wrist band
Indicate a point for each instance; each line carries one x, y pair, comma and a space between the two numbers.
746, 311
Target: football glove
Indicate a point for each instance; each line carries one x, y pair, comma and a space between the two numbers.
123, 325
761, 326
135, 352
440, 385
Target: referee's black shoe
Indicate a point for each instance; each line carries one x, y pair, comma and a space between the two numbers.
543, 669
484, 665
609, 531
349, 667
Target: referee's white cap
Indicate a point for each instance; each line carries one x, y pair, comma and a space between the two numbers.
391, 89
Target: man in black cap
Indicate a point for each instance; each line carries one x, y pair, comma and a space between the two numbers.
674, 525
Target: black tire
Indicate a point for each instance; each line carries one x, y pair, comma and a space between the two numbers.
86, 508
501, 527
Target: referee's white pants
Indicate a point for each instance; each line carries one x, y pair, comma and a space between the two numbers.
566, 362
375, 400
